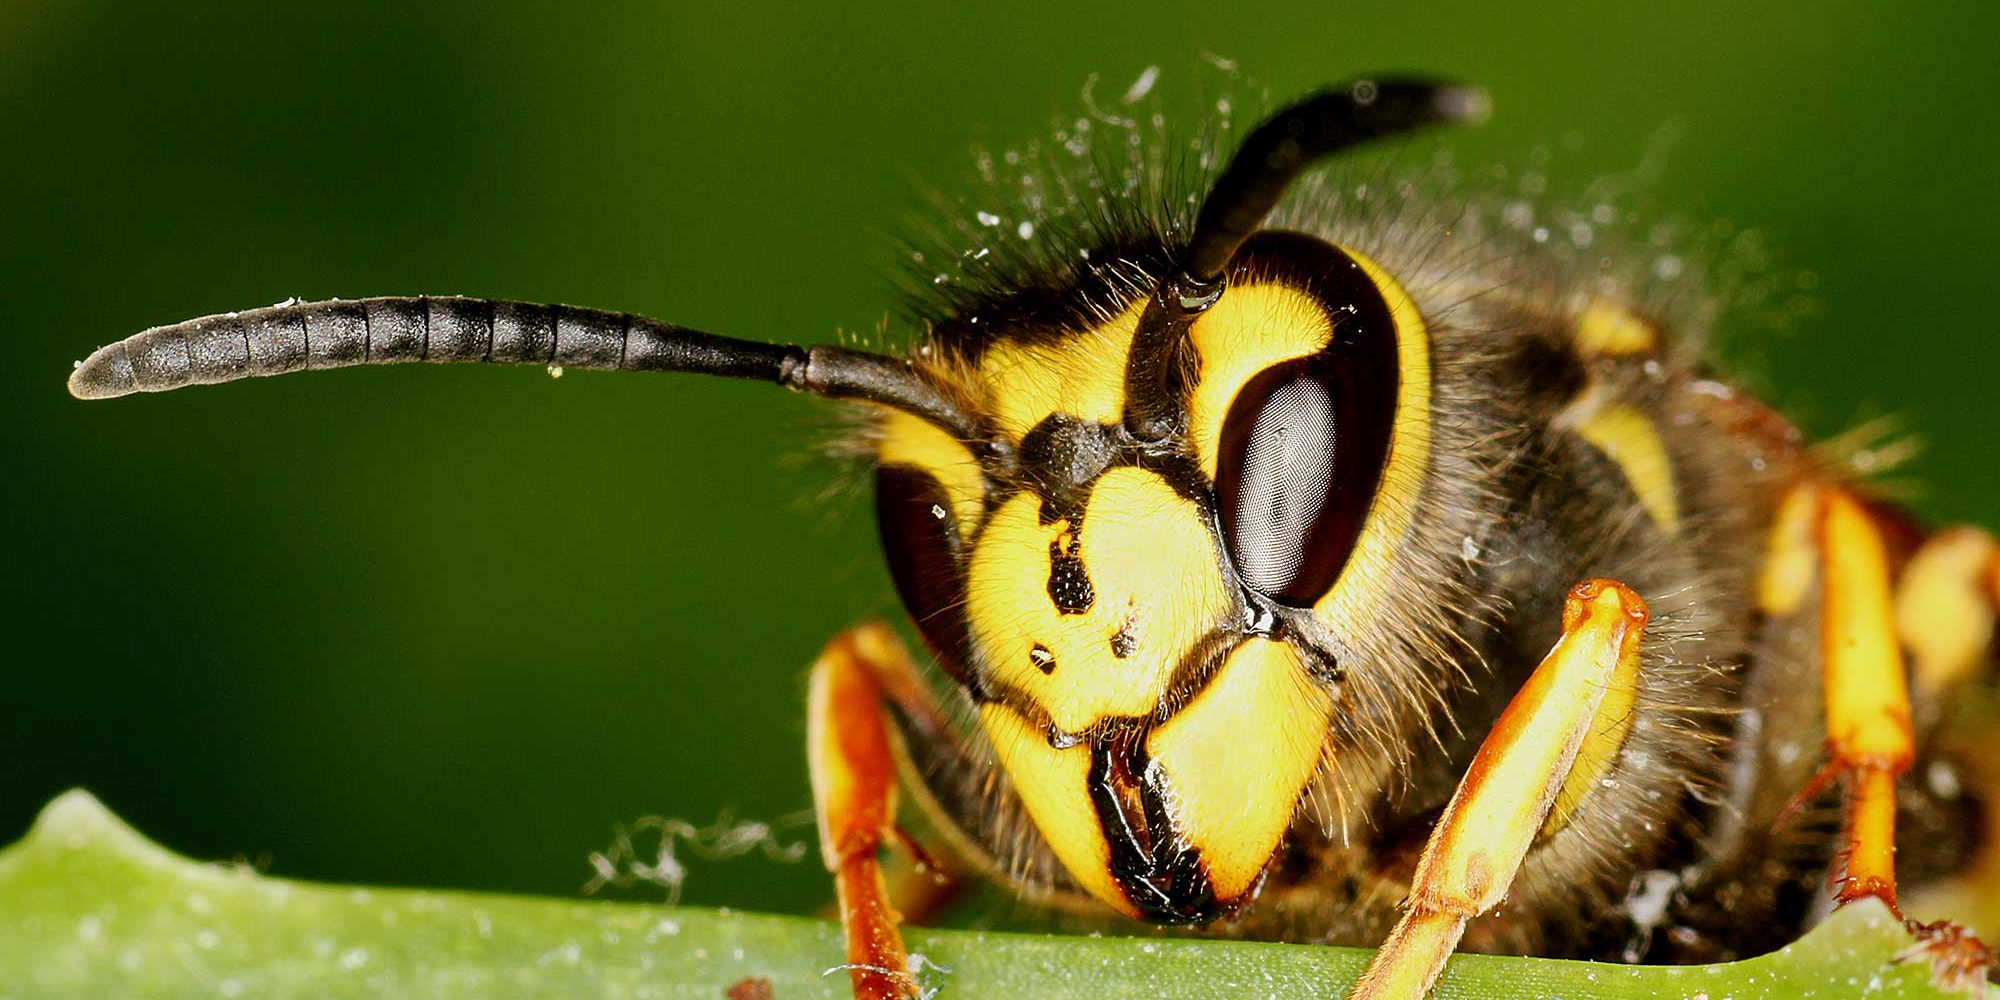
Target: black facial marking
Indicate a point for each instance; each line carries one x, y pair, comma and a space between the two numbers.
1162, 876
1069, 580
1063, 453
1043, 660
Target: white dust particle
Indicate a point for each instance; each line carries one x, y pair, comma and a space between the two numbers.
1648, 904
1943, 780
568, 953
1143, 85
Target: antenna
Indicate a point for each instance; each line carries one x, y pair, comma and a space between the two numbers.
1274, 155
305, 336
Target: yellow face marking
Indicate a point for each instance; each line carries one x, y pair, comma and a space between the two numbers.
1629, 439
1607, 329
1237, 758
1082, 375
1349, 605
909, 440
1053, 785
1152, 564
1250, 328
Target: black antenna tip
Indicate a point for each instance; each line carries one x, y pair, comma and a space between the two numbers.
1463, 103
1429, 99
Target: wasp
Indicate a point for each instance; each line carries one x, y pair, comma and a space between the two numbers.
1292, 569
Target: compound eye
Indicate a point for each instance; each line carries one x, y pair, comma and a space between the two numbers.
1279, 482
926, 559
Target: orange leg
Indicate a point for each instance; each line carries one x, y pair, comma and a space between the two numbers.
1863, 630
1867, 693
1511, 787
854, 794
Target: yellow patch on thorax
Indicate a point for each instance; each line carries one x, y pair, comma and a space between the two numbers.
1629, 438
1607, 329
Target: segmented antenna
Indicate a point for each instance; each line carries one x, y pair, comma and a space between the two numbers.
1273, 156
306, 336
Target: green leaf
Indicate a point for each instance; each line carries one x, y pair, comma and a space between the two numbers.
90, 909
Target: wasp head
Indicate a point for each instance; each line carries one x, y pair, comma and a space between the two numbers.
1140, 563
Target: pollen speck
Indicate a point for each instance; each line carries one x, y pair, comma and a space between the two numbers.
1125, 641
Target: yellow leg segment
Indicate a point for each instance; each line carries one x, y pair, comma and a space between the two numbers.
854, 795
1944, 609
1867, 693
1939, 613
1509, 789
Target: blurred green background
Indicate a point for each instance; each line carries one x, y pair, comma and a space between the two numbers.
448, 626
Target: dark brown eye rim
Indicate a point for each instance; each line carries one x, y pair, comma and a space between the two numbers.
925, 552
1305, 442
